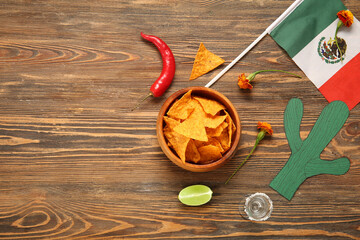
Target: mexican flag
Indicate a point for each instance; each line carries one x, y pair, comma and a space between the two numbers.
307, 35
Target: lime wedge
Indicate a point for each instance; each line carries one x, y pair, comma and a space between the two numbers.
195, 195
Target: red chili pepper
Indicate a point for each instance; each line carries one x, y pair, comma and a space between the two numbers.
168, 71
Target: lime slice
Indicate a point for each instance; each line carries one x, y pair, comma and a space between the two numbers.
195, 195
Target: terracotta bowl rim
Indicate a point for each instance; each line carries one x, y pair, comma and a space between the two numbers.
192, 166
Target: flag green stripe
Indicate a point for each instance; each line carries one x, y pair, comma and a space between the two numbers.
305, 23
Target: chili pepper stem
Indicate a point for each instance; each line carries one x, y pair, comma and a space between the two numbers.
141, 101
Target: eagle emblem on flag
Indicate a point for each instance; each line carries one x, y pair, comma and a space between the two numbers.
329, 52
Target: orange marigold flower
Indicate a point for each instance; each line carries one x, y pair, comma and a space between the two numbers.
266, 127
346, 17
243, 82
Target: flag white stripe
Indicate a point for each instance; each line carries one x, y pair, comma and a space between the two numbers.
316, 69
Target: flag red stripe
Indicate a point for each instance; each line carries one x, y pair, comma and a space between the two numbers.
345, 84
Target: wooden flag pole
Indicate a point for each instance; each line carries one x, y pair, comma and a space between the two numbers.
268, 30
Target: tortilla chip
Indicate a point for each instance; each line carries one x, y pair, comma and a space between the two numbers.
192, 154
216, 132
224, 139
216, 143
211, 141
170, 123
209, 153
205, 61
231, 127
192, 128
178, 142
198, 112
215, 121
182, 108
226, 135
210, 106
207, 119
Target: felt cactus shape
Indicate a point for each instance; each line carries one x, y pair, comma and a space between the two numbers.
304, 160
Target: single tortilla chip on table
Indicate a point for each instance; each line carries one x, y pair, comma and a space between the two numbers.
204, 62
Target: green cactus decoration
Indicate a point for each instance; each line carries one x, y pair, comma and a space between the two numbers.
305, 161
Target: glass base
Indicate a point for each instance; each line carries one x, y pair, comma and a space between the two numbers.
256, 207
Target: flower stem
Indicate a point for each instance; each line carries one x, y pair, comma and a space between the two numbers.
275, 70
336, 41
243, 162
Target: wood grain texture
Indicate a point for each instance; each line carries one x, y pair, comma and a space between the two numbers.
75, 163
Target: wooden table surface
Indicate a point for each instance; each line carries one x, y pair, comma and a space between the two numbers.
75, 163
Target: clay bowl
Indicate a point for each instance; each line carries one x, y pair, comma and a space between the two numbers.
211, 94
